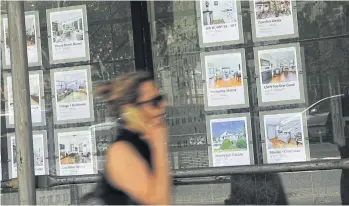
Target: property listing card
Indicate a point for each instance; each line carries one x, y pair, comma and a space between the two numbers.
225, 77
272, 20
219, 22
230, 140
284, 134
76, 151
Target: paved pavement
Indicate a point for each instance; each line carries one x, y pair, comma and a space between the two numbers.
301, 188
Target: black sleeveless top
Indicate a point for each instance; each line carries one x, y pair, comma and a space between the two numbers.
112, 195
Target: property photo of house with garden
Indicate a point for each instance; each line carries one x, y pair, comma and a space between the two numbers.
229, 136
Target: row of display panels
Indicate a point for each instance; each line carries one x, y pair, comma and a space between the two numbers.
68, 38
75, 152
284, 139
278, 68
278, 72
72, 96
220, 22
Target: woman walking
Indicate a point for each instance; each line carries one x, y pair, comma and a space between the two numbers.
136, 167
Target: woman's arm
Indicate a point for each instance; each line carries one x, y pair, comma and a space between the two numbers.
127, 170
162, 171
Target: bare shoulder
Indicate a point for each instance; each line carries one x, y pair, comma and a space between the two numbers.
123, 163
120, 149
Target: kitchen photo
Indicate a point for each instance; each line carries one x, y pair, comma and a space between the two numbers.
34, 84
218, 12
278, 66
284, 131
74, 149
67, 26
30, 31
71, 86
224, 71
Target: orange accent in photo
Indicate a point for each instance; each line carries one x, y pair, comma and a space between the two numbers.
225, 77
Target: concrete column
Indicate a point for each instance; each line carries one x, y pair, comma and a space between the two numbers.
21, 100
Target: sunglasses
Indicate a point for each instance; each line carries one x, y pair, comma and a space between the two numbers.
155, 102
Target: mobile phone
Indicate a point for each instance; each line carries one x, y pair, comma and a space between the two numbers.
133, 119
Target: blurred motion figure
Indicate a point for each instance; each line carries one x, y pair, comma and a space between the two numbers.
136, 168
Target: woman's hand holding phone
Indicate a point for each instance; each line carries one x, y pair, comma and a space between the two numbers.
136, 122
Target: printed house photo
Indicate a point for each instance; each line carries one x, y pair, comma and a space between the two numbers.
284, 131
71, 87
14, 156
272, 8
277, 67
67, 27
38, 152
29, 30
229, 136
74, 150
32, 48
34, 90
9, 91
218, 12
7, 38
222, 74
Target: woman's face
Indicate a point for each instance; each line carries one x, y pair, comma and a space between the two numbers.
150, 105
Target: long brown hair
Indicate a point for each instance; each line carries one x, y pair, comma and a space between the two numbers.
123, 90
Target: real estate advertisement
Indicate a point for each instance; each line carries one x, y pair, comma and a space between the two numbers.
37, 103
39, 154
72, 94
32, 36
225, 83
229, 139
76, 151
284, 136
274, 19
220, 21
68, 40
278, 70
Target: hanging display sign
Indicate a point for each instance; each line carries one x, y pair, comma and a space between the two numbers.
285, 136
0, 118
72, 95
273, 20
0, 171
32, 27
225, 79
76, 149
219, 22
36, 99
39, 151
68, 34
230, 139
279, 71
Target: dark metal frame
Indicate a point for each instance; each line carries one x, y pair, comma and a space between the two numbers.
52, 181
141, 37
144, 61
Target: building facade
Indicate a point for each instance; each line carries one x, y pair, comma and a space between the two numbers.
248, 83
